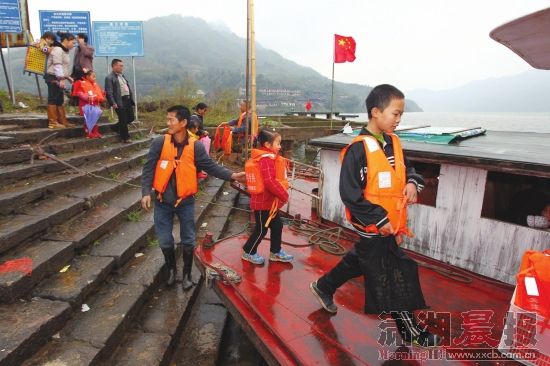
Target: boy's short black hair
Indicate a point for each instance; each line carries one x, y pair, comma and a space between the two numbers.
381, 96
182, 112
201, 105
115, 61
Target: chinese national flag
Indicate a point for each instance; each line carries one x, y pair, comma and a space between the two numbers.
344, 49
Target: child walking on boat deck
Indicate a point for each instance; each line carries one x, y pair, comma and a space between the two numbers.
376, 185
267, 184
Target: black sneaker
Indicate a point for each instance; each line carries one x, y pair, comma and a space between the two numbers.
427, 339
324, 299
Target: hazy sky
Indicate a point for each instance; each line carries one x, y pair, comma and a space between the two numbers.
413, 44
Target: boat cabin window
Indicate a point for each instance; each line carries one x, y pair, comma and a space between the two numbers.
517, 199
430, 172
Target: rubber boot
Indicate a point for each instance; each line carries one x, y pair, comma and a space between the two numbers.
95, 132
187, 281
52, 117
61, 114
170, 265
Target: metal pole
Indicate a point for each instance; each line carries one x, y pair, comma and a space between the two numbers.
247, 73
332, 96
9, 68
135, 88
39, 91
108, 72
5, 68
252, 68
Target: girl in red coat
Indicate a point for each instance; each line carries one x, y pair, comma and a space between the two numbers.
89, 94
270, 171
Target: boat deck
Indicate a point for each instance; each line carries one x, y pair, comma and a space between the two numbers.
274, 302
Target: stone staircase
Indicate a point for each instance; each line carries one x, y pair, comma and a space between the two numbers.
96, 283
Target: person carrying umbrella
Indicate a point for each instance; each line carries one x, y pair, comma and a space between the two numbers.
90, 95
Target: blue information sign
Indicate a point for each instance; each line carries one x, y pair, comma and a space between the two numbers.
118, 38
10, 17
66, 21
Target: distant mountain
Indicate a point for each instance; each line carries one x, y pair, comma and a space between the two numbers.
181, 48
526, 92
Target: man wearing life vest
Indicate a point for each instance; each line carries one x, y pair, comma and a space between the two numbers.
376, 185
239, 125
170, 176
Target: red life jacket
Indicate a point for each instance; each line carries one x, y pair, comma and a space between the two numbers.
385, 184
186, 171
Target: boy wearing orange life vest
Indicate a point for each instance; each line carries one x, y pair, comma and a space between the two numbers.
267, 184
376, 185
170, 175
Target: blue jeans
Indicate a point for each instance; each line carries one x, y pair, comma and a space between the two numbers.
164, 223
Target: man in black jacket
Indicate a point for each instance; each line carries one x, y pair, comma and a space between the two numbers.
120, 97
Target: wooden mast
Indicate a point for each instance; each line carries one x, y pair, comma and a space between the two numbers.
253, 70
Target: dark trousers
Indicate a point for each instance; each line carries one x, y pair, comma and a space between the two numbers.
260, 231
55, 92
163, 217
125, 114
391, 277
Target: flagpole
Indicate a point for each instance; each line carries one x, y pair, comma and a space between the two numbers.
332, 95
247, 74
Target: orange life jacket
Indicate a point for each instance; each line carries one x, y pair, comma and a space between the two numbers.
254, 180
186, 171
533, 283
255, 123
223, 139
385, 184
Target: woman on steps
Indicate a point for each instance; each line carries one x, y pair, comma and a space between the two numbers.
57, 78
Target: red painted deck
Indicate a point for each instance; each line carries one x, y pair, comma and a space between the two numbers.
273, 303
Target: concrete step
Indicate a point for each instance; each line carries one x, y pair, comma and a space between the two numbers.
34, 219
33, 222
162, 322
12, 173
90, 337
24, 153
34, 135
27, 325
60, 210
14, 196
87, 272
47, 258
92, 224
37, 120
96, 333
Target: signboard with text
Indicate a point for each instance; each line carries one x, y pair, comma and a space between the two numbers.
10, 16
66, 21
118, 38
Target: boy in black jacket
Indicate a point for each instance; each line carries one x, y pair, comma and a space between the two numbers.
375, 193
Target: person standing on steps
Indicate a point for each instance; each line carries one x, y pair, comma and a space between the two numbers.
57, 78
170, 176
120, 97
83, 57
